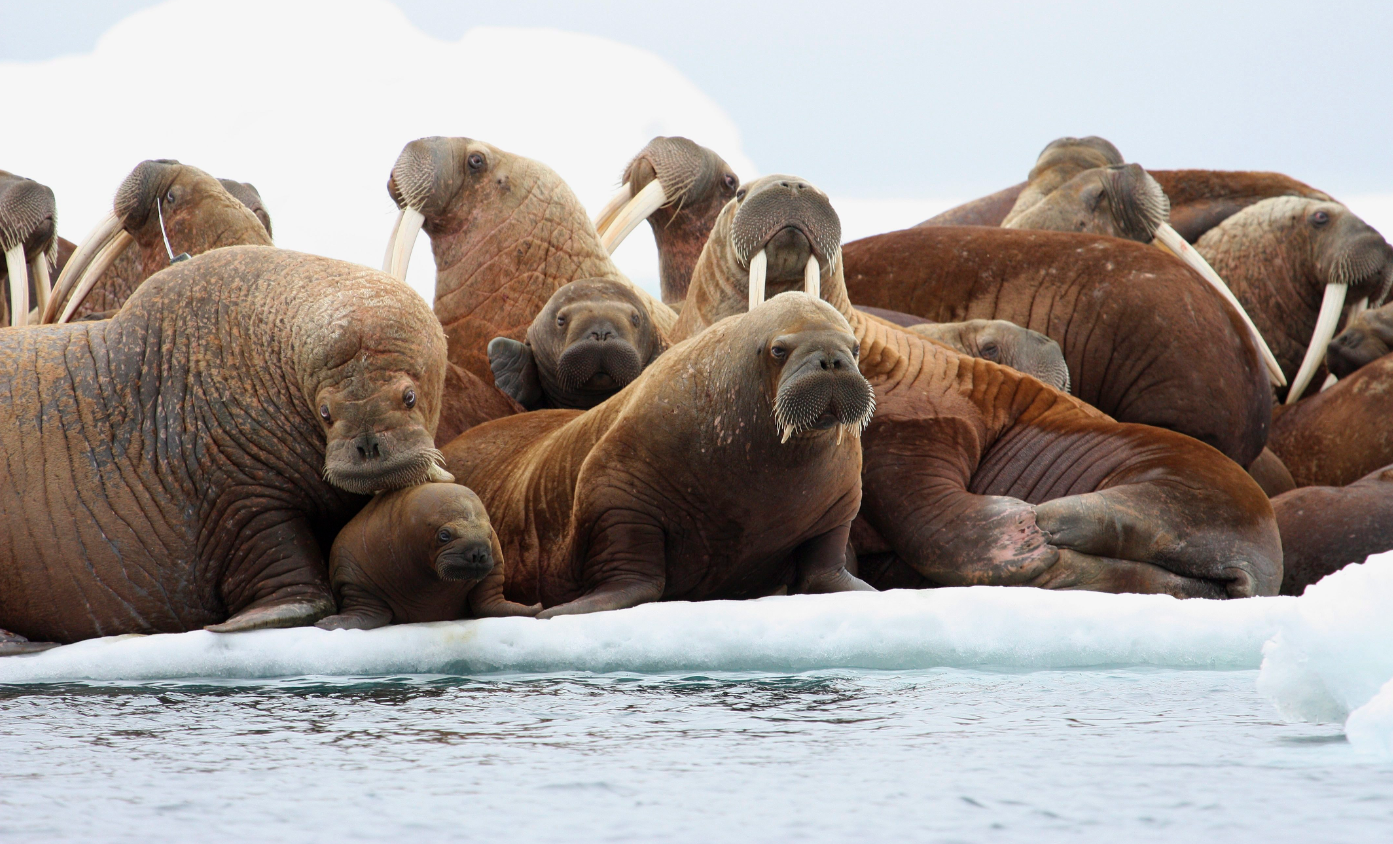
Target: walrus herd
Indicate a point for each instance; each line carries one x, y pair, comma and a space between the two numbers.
1102, 378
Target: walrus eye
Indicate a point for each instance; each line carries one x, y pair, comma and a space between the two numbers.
476, 161
731, 181
324, 412
740, 194
169, 197
443, 536
408, 398
561, 321
779, 352
633, 318
991, 351
1319, 218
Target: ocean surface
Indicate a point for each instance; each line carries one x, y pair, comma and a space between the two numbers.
949, 754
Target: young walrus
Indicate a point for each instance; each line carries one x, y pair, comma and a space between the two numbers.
730, 468
424, 553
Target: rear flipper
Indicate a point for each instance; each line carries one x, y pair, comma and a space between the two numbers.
13, 644
295, 612
1075, 570
626, 565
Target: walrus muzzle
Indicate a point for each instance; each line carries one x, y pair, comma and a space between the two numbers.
465, 559
784, 229
368, 463
822, 389
598, 365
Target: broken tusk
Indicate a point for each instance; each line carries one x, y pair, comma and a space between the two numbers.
403, 241
19, 285
93, 273
1331, 307
1330, 381
605, 218
81, 257
438, 475
759, 268
812, 278
635, 211
43, 288
1169, 240
788, 432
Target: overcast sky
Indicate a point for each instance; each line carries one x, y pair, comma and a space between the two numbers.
915, 99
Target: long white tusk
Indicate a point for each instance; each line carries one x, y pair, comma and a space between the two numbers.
43, 288
403, 241
1331, 308
81, 257
1354, 310
93, 273
605, 218
812, 278
19, 284
759, 268
1170, 240
650, 199
391, 241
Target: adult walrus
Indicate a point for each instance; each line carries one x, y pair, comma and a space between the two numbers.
730, 468
974, 473
179, 465
28, 240
1326, 528
1341, 434
593, 337
158, 199
422, 553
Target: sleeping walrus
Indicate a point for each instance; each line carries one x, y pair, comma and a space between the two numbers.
729, 469
179, 465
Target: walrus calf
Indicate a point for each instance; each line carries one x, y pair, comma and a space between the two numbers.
179, 465
729, 469
423, 553
593, 337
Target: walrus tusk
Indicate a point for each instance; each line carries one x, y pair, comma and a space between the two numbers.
605, 218
788, 432
391, 242
81, 257
438, 475
1330, 309
93, 273
759, 267
812, 278
635, 211
43, 288
19, 285
1169, 240
403, 241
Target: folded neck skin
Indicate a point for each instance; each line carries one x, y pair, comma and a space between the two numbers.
506, 233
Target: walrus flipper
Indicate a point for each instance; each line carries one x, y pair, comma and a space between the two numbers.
13, 644
486, 599
300, 612
361, 611
515, 371
822, 562
627, 565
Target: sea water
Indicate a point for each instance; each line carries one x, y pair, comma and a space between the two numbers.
946, 754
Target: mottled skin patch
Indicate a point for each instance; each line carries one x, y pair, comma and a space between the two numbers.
164, 470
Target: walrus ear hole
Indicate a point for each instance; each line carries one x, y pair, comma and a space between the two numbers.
515, 371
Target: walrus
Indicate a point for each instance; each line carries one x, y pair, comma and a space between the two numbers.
1367, 337
1326, 528
729, 469
593, 337
179, 465
976, 474
247, 194
28, 239
1340, 434
162, 209
1293, 262
422, 553
1142, 339
1002, 342
1060, 161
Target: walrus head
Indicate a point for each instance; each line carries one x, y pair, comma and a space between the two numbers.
450, 530
786, 234
1061, 160
1119, 200
679, 186
809, 356
1367, 337
249, 196
1003, 342
593, 337
167, 209
28, 239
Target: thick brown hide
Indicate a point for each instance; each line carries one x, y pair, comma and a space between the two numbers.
1326, 528
1337, 436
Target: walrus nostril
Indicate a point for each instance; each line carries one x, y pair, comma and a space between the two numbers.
368, 446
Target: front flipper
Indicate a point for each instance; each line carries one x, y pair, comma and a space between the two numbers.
360, 610
276, 578
486, 598
821, 563
13, 644
515, 371
300, 612
1076, 570
626, 565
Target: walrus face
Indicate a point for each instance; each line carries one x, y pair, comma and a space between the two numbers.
1120, 200
593, 337
809, 356
378, 436
785, 234
28, 239
1368, 337
450, 528
1006, 343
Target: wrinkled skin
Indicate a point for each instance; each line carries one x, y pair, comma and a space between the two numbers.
200, 214
423, 553
28, 216
1367, 337
681, 486
975, 474
1005, 343
1339, 435
1199, 199
1120, 200
1059, 162
591, 340
1278, 255
506, 233
166, 468
1326, 528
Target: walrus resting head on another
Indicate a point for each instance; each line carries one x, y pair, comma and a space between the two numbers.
729, 469
1119, 200
679, 186
1367, 337
423, 553
1005, 343
181, 464
162, 210
1061, 160
29, 242
593, 338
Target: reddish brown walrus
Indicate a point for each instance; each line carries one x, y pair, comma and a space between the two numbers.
1326, 528
506, 233
179, 465
1337, 436
128, 245
974, 473
730, 468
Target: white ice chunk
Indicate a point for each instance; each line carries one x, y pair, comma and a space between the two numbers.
1370, 727
996, 627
